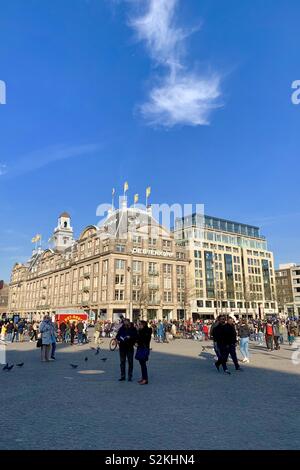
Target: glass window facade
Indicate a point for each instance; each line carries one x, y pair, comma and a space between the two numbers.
209, 274
229, 276
266, 279
216, 223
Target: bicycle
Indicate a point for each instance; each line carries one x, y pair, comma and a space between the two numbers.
113, 344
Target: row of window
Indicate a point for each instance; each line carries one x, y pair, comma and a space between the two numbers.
232, 304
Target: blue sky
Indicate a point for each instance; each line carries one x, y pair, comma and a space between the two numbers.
192, 97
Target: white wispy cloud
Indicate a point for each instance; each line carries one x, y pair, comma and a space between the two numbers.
43, 157
180, 95
182, 100
2, 169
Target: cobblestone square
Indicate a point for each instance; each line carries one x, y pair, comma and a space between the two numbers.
186, 405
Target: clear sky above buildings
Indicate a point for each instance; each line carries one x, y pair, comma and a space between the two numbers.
191, 97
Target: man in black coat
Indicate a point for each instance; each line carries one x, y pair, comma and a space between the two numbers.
126, 337
224, 335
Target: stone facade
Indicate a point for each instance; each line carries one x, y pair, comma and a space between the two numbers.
137, 272
288, 289
4, 289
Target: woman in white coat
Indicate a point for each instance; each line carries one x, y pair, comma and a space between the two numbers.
46, 335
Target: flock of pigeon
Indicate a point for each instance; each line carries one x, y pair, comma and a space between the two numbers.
74, 366
8, 367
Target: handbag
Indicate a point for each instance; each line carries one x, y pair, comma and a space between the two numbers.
39, 343
142, 353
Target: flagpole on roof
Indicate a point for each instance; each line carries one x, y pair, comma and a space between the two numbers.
113, 198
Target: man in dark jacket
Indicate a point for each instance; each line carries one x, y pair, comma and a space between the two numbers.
63, 328
223, 335
126, 338
144, 334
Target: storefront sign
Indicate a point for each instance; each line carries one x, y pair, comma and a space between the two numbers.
145, 251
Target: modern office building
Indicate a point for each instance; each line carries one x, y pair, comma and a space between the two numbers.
130, 265
288, 289
231, 268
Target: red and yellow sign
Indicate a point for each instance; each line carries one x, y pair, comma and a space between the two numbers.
70, 317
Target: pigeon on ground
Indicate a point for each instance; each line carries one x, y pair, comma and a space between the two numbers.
104, 359
74, 366
5, 367
86, 359
10, 367
97, 352
20, 365
203, 348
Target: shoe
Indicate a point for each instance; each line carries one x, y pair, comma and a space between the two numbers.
53, 358
144, 382
247, 361
217, 367
129, 379
240, 369
139, 381
227, 372
122, 379
244, 360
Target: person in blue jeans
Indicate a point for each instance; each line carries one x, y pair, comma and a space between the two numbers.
80, 327
244, 334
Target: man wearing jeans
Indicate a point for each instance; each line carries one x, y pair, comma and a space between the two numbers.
244, 334
126, 337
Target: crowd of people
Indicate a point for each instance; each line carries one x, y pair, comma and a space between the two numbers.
226, 333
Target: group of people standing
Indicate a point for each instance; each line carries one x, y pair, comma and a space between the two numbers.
226, 335
11, 331
69, 331
128, 336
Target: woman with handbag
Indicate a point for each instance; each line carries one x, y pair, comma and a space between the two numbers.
143, 349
